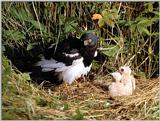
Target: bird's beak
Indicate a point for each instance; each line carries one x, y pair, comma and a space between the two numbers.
119, 71
111, 74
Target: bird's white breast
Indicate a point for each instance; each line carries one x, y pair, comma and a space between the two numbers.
74, 71
117, 89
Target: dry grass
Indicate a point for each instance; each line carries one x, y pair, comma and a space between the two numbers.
84, 99
93, 102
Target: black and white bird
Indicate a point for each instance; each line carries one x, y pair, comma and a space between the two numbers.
67, 61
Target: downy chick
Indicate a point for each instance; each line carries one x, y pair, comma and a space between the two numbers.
127, 79
117, 88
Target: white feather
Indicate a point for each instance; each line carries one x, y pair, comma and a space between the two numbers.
73, 72
117, 89
53, 66
71, 55
45, 62
67, 73
95, 54
47, 69
127, 79
116, 76
49, 65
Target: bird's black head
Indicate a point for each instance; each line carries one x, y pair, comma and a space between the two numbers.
88, 51
89, 39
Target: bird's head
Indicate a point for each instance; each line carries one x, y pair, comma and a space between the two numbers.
116, 76
125, 70
90, 40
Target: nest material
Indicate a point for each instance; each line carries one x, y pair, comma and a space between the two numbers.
94, 102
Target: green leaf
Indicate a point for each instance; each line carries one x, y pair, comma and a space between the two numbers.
139, 18
71, 24
142, 29
3, 48
145, 22
66, 106
149, 6
107, 104
26, 76
112, 13
41, 102
109, 22
109, 16
89, 31
13, 35
31, 45
38, 25
101, 22
8, 115
61, 20
123, 22
70, 27
115, 13
145, 30
71, 19
105, 12
133, 27
111, 50
155, 34
150, 51
79, 115
156, 13
95, 65
21, 14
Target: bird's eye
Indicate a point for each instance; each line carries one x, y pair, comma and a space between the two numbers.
86, 42
90, 40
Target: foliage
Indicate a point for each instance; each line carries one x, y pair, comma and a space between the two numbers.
131, 39
127, 35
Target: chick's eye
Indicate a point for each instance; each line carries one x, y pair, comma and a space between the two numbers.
122, 70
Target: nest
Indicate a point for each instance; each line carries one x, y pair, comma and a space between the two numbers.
91, 100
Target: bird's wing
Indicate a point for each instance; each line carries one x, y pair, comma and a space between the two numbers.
60, 61
65, 46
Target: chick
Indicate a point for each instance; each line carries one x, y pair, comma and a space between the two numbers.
116, 76
117, 88
127, 79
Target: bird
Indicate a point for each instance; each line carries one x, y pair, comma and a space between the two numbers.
123, 82
117, 88
67, 61
127, 79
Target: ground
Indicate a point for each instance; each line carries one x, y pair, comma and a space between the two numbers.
84, 99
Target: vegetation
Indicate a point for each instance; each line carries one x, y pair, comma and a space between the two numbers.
128, 33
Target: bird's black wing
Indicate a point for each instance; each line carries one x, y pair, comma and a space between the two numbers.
66, 51
57, 57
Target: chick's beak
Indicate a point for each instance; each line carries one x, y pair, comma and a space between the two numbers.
119, 71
